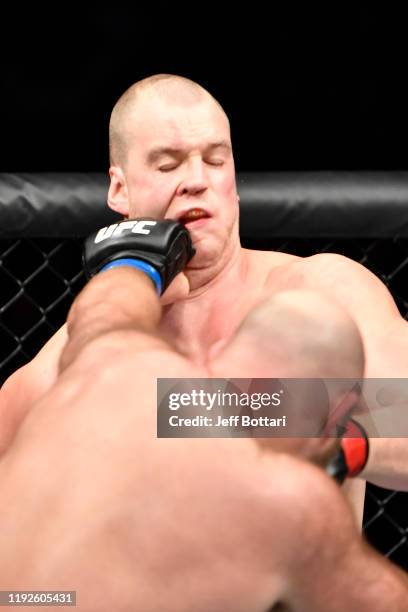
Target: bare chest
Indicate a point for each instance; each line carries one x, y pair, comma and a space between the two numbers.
200, 330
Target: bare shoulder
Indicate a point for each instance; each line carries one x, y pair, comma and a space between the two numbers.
37, 376
263, 262
322, 268
340, 277
294, 493
335, 264
326, 266
344, 279
298, 494
26, 385
317, 544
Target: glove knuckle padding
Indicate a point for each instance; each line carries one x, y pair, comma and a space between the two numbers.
165, 245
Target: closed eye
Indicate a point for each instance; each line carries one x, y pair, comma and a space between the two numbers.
214, 162
167, 168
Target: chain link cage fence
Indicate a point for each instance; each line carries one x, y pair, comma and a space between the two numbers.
40, 276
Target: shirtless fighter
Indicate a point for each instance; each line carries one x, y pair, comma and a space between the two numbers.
171, 158
93, 501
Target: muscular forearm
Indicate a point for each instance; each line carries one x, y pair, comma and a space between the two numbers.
130, 265
114, 300
380, 585
387, 464
386, 424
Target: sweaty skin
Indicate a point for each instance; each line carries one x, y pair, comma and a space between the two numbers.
171, 152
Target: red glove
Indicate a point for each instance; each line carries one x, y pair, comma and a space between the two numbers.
353, 455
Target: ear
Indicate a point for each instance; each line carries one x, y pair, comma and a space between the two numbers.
118, 199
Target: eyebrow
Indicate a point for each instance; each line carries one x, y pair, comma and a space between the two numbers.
154, 154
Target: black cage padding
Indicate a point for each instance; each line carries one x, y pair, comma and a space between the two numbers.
297, 205
53, 204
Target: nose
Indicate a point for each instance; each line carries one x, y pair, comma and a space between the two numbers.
194, 180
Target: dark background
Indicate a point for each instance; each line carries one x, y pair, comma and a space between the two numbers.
304, 88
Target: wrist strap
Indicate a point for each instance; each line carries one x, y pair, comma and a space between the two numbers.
139, 265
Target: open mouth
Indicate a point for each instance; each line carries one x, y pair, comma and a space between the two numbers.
193, 216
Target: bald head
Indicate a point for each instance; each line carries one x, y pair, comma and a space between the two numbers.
173, 89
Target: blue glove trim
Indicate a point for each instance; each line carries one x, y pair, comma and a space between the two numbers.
139, 265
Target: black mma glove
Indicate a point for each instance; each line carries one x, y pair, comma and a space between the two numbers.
161, 249
353, 454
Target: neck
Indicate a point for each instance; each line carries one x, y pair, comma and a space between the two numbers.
212, 311
228, 269
205, 277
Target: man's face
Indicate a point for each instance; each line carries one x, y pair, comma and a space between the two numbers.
180, 166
